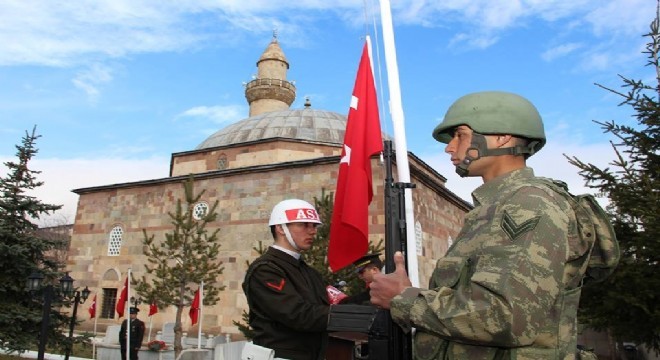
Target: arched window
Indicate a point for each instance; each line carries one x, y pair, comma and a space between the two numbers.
200, 210
222, 162
114, 241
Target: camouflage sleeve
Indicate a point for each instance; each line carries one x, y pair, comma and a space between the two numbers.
275, 296
500, 287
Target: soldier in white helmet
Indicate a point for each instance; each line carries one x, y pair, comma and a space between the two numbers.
287, 298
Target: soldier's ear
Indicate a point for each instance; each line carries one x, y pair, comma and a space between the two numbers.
505, 139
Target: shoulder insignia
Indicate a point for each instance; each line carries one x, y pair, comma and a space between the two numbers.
277, 287
514, 230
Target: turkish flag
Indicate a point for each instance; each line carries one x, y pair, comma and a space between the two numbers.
194, 308
153, 309
349, 228
92, 308
123, 297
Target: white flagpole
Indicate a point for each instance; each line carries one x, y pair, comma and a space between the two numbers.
201, 307
95, 322
151, 321
127, 314
396, 109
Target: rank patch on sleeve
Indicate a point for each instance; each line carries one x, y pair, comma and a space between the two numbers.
515, 230
277, 287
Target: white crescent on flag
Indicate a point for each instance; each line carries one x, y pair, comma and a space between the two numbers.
347, 157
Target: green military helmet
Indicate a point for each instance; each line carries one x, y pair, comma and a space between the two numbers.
494, 112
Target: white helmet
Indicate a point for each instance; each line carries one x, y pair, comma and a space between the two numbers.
293, 210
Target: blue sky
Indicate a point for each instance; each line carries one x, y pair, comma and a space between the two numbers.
115, 86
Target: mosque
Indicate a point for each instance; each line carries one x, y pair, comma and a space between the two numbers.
275, 154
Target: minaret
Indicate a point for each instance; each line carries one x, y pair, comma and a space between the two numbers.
270, 91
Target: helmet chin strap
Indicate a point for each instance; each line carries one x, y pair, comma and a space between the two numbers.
289, 238
480, 146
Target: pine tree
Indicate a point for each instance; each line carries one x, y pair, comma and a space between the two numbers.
23, 251
179, 263
627, 303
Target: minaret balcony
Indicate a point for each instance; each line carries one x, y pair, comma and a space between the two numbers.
275, 89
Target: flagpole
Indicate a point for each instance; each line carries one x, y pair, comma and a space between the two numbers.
201, 307
95, 323
151, 320
127, 306
396, 109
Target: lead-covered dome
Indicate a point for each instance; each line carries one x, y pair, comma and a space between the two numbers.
301, 124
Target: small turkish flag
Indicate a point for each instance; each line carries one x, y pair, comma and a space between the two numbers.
92, 308
123, 297
153, 308
194, 308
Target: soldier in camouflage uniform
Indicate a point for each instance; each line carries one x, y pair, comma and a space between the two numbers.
509, 286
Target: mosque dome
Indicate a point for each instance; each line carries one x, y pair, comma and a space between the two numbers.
300, 124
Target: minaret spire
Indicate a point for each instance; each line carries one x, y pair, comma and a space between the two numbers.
270, 91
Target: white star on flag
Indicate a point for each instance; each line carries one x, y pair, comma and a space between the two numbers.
354, 102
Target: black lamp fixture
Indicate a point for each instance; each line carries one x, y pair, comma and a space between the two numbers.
84, 294
34, 281
66, 285
135, 301
35, 284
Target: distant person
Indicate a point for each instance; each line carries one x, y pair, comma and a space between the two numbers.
137, 335
365, 267
287, 298
509, 287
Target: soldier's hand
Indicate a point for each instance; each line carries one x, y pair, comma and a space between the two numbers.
386, 286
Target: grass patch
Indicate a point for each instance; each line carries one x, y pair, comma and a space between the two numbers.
79, 350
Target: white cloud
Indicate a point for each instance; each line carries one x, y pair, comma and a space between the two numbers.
560, 51
60, 176
90, 79
60, 33
464, 41
218, 114
627, 17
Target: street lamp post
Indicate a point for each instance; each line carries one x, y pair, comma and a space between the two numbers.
34, 284
79, 298
66, 287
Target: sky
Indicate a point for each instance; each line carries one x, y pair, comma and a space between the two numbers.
114, 87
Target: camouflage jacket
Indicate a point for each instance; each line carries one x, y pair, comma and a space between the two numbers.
509, 286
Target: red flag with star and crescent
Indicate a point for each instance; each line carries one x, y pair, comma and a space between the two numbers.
194, 309
123, 298
153, 308
92, 308
349, 228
